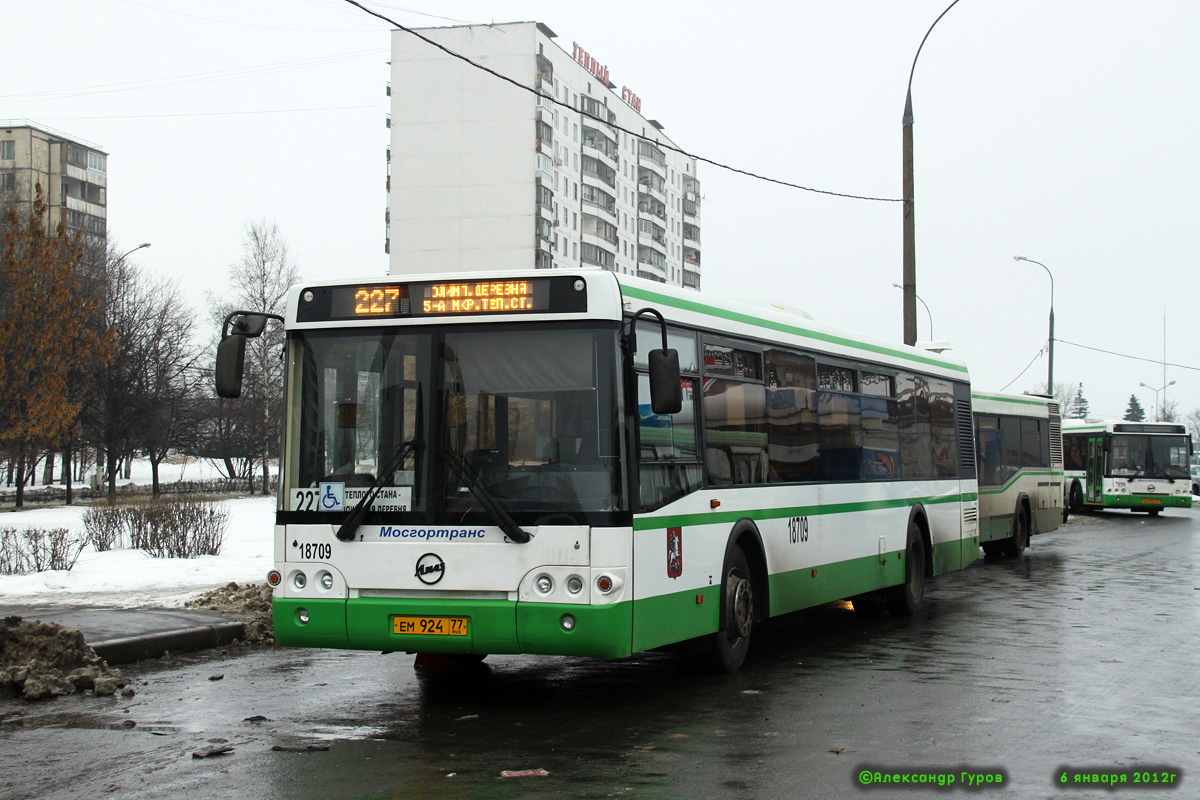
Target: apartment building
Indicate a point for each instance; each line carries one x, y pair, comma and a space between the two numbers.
73, 175
485, 175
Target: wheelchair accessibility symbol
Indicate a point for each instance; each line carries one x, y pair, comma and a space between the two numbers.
333, 496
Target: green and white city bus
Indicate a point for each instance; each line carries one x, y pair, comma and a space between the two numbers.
1018, 448
478, 464
1142, 466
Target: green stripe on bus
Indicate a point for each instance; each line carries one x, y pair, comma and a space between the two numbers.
746, 319
820, 509
1022, 474
675, 617
1033, 401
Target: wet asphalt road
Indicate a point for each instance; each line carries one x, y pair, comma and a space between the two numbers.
1080, 654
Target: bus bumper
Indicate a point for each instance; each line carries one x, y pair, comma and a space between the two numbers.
1144, 502
492, 626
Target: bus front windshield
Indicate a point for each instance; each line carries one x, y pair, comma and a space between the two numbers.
525, 416
1145, 456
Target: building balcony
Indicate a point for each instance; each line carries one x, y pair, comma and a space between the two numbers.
653, 271
651, 241
648, 188
650, 163
652, 207
691, 279
544, 168
595, 180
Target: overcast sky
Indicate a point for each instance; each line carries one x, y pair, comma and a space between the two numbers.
1061, 130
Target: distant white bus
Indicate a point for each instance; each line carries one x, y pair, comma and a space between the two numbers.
1141, 466
478, 464
1018, 448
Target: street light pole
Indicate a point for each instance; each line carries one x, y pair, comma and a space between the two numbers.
1050, 368
1157, 407
927, 312
134, 250
910, 224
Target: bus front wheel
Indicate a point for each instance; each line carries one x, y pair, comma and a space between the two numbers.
732, 641
905, 600
1076, 498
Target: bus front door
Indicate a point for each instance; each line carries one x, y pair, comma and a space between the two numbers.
1095, 470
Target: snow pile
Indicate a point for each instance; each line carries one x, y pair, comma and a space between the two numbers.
249, 604
40, 660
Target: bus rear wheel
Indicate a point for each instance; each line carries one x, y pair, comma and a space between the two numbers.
732, 641
1020, 538
906, 599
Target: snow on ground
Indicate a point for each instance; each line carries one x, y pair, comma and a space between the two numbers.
131, 578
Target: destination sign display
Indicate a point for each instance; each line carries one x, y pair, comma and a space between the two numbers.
482, 297
461, 297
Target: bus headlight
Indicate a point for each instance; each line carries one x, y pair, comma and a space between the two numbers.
574, 584
544, 584
299, 580
326, 580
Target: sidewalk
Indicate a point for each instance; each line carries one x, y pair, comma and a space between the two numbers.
124, 635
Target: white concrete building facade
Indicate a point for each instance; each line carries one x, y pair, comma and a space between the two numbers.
72, 174
486, 176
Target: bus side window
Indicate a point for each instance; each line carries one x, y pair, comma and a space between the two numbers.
669, 466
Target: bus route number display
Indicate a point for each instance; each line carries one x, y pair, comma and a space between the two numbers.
481, 297
376, 301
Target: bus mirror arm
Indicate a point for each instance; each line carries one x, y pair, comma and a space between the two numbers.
666, 393
231, 351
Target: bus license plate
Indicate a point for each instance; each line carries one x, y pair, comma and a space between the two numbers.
1151, 500
430, 626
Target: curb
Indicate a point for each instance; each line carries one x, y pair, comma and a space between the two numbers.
128, 649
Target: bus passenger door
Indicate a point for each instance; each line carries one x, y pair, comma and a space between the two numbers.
1095, 470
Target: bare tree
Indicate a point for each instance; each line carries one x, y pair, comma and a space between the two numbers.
1064, 394
117, 407
260, 280
168, 364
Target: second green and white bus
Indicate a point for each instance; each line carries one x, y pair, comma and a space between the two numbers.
1018, 446
1140, 466
478, 464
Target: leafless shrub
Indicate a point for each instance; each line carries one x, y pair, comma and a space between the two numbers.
105, 526
178, 529
26, 550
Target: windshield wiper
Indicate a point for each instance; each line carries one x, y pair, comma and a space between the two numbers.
355, 517
467, 474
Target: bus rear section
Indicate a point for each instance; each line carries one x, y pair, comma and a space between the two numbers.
1020, 456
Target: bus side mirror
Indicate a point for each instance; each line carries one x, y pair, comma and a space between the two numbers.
231, 352
231, 359
249, 325
666, 394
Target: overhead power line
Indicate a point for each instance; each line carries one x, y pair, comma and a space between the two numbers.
567, 106
1158, 361
184, 80
1027, 366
